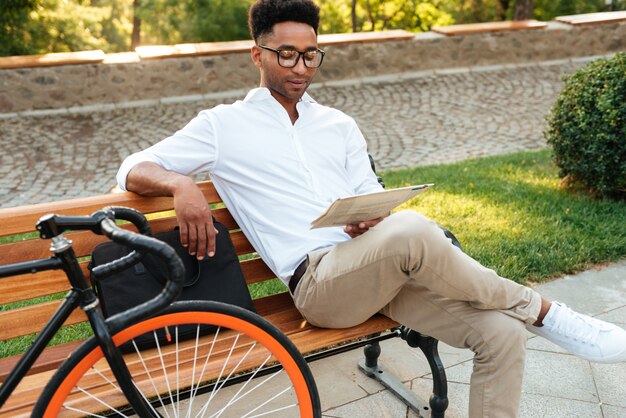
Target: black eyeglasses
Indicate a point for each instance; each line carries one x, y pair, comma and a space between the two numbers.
288, 58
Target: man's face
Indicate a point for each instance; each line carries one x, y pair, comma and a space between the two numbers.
285, 83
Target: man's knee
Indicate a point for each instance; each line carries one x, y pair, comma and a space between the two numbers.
502, 339
408, 226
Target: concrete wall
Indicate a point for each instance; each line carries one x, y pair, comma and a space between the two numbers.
110, 82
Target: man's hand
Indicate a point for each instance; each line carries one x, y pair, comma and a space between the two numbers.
197, 232
354, 230
192, 211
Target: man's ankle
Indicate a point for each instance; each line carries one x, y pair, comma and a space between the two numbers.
545, 307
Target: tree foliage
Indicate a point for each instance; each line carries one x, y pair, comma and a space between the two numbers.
338, 16
14, 16
176, 21
549, 9
40, 26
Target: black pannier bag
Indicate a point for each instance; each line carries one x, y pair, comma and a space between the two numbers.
218, 278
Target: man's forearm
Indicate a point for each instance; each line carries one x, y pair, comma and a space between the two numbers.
150, 179
192, 211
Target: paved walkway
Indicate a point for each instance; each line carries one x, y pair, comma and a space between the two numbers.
556, 384
408, 120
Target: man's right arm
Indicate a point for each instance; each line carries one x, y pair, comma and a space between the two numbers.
192, 211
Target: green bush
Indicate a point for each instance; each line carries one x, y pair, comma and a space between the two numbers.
587, 128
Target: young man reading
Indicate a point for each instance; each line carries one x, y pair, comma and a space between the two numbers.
278, 159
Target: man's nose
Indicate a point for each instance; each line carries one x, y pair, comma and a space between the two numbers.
300, 68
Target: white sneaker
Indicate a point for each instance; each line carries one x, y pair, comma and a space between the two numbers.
586, 337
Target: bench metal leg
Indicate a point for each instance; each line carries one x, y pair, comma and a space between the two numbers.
438, 400
428, 345
369, 365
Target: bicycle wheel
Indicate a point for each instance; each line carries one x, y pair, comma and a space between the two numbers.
243, 367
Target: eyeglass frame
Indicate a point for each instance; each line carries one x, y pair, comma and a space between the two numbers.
300, 54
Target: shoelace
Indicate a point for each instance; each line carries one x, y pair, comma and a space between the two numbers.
578, 327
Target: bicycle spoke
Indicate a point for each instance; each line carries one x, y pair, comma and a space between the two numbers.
268, 401
177, 374
275, 410
235, 368
232, 348
106, 379
235, 397
145, 367
193, 373
229, 375
95, 398
80, 411
145, 399
165, 375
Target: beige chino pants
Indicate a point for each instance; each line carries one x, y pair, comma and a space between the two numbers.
407, 269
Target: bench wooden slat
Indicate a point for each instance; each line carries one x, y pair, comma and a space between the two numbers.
471, 28
22, 401
83, 242
50, 359
22, 219
29, 286
591, 18
256, 270
30, 319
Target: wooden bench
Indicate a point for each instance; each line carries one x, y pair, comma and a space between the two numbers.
277, 308
472, 28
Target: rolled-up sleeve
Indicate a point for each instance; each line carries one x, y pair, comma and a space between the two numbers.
191, 150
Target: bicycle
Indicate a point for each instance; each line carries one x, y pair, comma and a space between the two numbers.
97, 380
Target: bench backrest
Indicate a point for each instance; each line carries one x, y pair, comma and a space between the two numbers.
35, 290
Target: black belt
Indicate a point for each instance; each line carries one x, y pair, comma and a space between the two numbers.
297, 275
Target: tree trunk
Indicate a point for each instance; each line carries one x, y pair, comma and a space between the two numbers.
354, 28
503, 7
523, 9
135, 37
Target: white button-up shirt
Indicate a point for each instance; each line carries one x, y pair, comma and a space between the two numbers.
274, 176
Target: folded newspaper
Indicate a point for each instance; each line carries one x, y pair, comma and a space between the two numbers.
354, 209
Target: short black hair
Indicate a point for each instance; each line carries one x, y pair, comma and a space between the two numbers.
264, 14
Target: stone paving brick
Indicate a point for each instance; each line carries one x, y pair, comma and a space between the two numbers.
407, 121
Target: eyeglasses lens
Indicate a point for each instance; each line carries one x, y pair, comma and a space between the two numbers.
312, 59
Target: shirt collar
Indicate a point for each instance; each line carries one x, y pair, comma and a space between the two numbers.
263, 93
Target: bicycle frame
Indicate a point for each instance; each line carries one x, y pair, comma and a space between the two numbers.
81, 294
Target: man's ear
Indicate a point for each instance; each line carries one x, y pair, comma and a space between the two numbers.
255, 54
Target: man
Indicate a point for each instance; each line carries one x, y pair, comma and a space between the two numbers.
278, 159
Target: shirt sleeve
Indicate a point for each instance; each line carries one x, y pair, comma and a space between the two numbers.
360, 174
191, 150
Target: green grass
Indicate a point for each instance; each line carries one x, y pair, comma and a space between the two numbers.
509, 213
